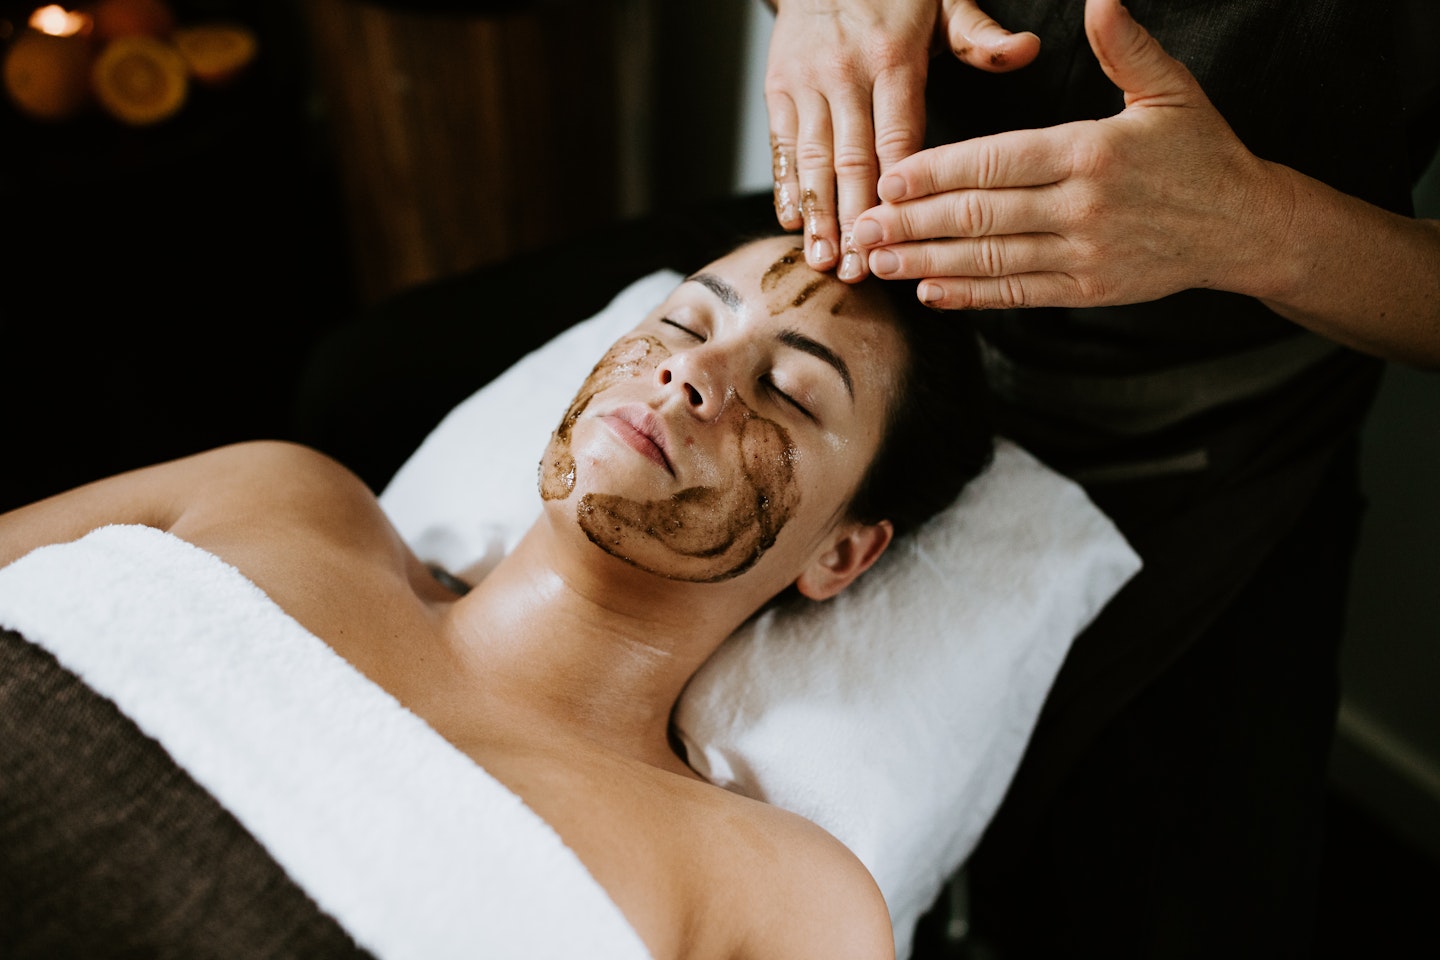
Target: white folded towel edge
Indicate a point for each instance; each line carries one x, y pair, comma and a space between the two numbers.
416, 850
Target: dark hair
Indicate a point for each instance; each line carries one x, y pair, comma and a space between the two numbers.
939, 433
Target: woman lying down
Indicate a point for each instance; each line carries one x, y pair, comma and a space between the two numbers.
767, 430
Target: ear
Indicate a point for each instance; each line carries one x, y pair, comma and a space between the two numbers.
855, 547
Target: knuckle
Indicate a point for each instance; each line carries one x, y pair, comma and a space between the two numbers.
907, 224
1140, 48
888, 53
1077, 206
812, 153
853, 162
893, 143
1089, 288
1012, 292
989, 163
779, 85
1089, 155
989, 258
970, 213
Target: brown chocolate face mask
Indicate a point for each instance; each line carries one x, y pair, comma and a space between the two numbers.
701, 534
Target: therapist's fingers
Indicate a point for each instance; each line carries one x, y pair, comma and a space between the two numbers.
844, 82
981, 273
783, 124
866, 148
856, 170
971, 258
899, 105
965, 213
899, 132
1016, 158
1014, 290
815, 170
981, 42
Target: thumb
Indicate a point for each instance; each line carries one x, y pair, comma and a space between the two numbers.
982, 43
1133, 60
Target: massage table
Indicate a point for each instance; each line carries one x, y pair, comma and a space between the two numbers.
187, 771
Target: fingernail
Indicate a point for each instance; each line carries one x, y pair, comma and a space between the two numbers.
892, 187
850, 266
821, 251
930, 292
868, 233
883, 262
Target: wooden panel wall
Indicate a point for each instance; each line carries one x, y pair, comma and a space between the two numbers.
463, 138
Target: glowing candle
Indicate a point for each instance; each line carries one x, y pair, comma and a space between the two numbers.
47, 68
56, 21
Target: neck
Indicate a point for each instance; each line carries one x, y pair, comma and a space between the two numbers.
592, 648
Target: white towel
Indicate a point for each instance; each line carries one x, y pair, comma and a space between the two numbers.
412, 847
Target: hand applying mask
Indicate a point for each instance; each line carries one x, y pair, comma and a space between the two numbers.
845, 90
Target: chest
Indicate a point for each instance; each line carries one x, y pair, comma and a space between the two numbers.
676, 856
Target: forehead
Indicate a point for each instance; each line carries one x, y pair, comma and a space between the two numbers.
775, 269
774, 281
769, 285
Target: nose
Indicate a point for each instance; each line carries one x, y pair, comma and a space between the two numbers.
699, 377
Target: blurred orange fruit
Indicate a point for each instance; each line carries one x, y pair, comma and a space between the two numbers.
217, 53
140, 80
128, 18
48, 78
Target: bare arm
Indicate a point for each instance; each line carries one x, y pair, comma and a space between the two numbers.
147, 496
1355, 273
227, 481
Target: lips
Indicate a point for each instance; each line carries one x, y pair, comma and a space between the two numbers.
641, 430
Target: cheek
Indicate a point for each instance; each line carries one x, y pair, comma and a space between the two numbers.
705, 534
833, 471
627, 360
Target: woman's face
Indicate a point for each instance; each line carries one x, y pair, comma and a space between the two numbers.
733, 423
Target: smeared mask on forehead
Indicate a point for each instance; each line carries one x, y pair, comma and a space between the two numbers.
789, 283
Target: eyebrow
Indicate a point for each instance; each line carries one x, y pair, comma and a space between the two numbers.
721, 288
790, 337
798, 340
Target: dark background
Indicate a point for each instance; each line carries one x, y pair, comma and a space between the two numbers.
162, 285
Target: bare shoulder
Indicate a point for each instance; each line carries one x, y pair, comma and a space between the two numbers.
809, 895
274, 477
235, 482
269, 465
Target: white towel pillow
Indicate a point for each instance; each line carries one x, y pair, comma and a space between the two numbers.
894, 715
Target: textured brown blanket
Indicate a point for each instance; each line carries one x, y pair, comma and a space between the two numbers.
108, 849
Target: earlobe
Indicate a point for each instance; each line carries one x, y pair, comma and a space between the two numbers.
853, 552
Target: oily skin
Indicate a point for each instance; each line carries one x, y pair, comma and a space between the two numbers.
705, 532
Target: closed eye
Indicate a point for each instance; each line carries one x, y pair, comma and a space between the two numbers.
681, 327
772, 388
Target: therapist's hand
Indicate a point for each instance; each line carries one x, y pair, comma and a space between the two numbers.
845, 91
1159, 198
